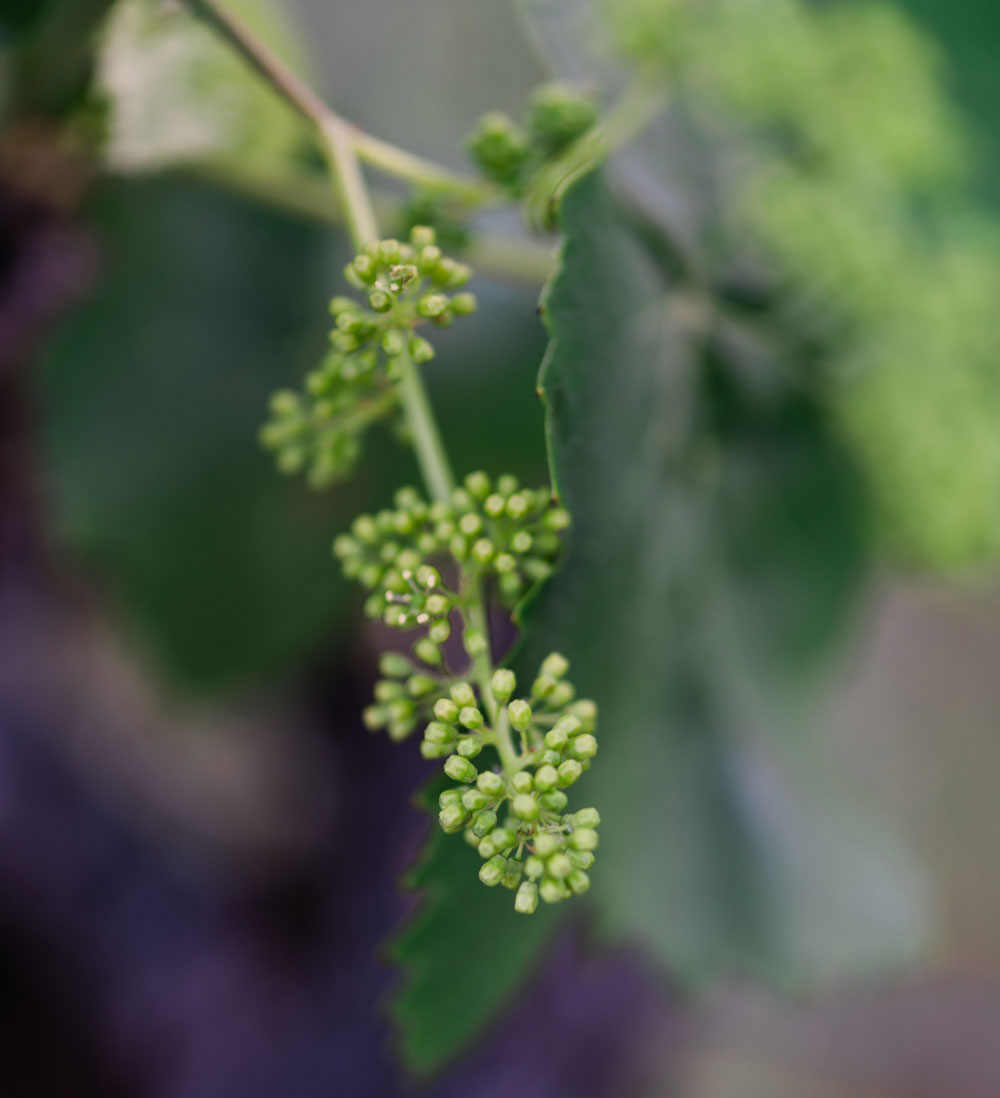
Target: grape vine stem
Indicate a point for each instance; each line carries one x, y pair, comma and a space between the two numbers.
342, 145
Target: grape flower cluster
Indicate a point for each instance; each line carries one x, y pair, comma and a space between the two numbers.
424, 564
408, 285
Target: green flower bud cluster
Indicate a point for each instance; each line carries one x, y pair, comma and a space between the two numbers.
511, 154
488, 529
407, 285
517, 817
404, 696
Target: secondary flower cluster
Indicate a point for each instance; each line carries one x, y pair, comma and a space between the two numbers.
485, 530
407, 284
510, 155
516, 816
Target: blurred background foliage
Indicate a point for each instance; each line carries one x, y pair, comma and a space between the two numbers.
772, 389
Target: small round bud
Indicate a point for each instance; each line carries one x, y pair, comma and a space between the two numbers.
428, 577
449, 796
559, 866
469, 747
522, 782
400, 728
342, 305
490, 783
546, 778
462, 694
520, 715
437, 732
555, 800
525, 807
387, 690
586, 817
461, 770
484, 823
570, 725
474, 800
526, 900
494, 505
470, 524
394, 666
387, 252
555, 665
464, 304
475, 642
578, 882
373, 717
430, 750
436, 605
521, 542
502, 685
364, 268
446, 710
394, 342
432, 305
546, 845
581, 859
491, 872
421, 235
421, 350
439, 631
584, 838
512, 874
556, 739
452, 817
345, 546
470, 717
534, 867
583, 747
418, 686
552, 891
556, 519
425, 649
504, 562
379, 301
478, 485
482, 550
502, 838
569, 772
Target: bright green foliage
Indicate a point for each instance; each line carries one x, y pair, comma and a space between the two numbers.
852, 168
320, 430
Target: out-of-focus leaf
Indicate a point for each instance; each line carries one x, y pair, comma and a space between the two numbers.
176, 93
152, 395
463, 954
714, 557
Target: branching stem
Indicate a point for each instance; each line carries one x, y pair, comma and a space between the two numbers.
342, 143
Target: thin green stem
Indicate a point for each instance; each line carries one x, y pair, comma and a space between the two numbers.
427, 444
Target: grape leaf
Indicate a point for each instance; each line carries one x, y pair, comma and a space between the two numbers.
716, 552
152, 393
463, 954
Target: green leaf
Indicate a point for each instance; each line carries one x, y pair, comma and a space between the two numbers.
463, 955
152, 394
177, 94
715, 557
